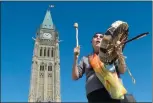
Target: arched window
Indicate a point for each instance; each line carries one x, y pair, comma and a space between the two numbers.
41, 67
50, 67
45, 52
52, 52
41, 51
48, 52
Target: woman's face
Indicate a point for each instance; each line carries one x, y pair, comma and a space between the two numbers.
96, 41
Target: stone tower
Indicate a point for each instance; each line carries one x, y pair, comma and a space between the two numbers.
45, 70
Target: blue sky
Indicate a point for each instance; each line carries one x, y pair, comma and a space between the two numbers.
20, 21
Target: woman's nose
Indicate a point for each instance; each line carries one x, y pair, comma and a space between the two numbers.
98, 37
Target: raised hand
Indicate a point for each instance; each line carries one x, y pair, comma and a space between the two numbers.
76, 51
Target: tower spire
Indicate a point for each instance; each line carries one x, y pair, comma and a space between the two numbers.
48, 22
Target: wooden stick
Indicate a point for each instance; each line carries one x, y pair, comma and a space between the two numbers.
76, 27
135, 38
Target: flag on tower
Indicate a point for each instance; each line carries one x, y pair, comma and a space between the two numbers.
51, 6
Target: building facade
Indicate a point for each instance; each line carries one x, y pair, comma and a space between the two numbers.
45, 70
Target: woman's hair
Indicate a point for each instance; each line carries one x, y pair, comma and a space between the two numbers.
97, 33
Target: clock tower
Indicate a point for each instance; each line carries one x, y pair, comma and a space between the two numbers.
45, 69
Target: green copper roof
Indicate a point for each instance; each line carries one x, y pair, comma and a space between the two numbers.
48, 22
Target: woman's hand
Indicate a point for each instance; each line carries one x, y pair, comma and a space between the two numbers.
76, 51
75, 75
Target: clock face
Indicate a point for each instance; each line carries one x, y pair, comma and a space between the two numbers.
47, 36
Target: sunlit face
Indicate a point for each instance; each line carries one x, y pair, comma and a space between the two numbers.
96, 41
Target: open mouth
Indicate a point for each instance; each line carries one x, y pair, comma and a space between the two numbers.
97, 42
